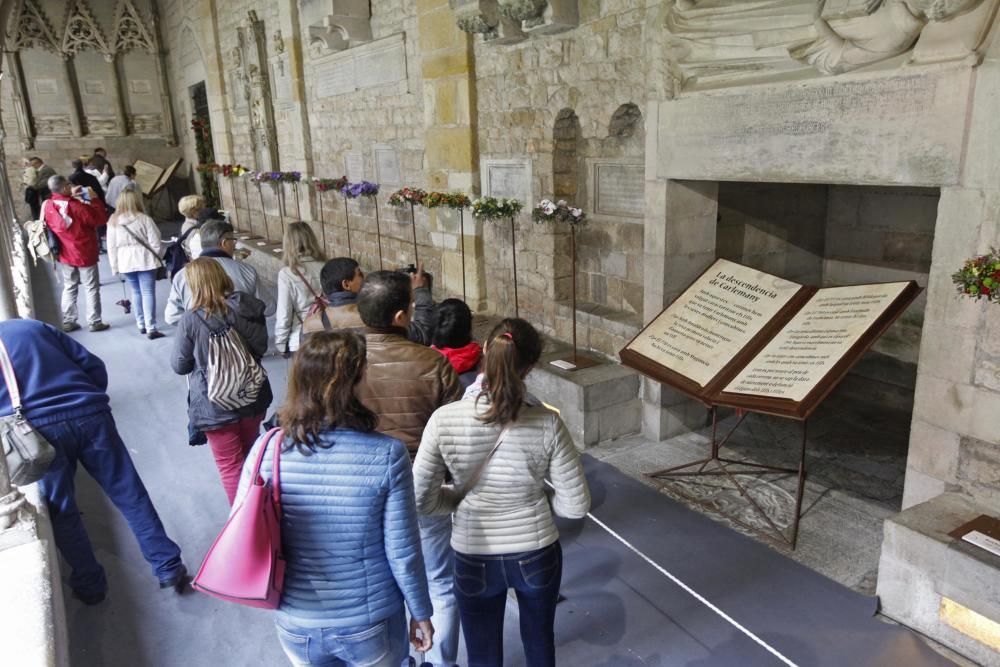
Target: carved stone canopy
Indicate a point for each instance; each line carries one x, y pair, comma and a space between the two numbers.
339, 25
82, 31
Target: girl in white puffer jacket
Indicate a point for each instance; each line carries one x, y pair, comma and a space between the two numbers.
134, 251
500, 444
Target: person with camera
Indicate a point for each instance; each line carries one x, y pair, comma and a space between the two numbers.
74, 215
405, 382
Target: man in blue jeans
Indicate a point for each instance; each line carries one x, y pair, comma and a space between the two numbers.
64, 396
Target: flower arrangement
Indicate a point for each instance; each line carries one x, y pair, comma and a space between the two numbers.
359, 189
560, 211
266, 176
491, 208
233, 170
979, 277
327, 184
289, 176
405, 196
454, 200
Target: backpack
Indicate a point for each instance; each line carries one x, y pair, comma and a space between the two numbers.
174, 257
233, 377
42, 242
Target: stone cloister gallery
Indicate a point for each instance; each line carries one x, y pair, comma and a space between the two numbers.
827, 142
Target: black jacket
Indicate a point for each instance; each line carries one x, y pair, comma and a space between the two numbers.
80, 177
246, 315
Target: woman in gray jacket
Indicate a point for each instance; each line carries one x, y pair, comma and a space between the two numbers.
500, 444
215, 310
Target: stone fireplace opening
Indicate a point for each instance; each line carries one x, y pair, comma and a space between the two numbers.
830, 235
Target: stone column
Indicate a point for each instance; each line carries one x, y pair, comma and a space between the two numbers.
452, 159
169, 131
679, 243
72, 96
299, 155
118, 98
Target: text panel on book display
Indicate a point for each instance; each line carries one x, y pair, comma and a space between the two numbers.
713, 320
797, 359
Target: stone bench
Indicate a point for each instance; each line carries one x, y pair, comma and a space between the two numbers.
925, 575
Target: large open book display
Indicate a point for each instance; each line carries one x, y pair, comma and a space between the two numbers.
741, 338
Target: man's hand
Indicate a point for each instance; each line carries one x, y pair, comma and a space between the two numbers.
76, 191
418, 279
425, 640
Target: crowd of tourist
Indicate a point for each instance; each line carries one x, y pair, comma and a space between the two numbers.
417, 473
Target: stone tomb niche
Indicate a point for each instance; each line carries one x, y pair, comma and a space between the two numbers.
830, 235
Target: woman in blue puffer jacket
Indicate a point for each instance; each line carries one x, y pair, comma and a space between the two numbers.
349, 519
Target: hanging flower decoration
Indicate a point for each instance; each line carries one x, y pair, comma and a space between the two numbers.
979, 277
491, 208
267, 176
359, 189
327, 184
548, 211
406, 196
453, 200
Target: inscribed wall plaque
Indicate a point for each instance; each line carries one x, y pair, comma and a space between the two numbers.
354, 166
237, 91
91, 87
372, 64
387, 165
507, 178
140, 87
618, 189
903, 129
281, 81
46, 86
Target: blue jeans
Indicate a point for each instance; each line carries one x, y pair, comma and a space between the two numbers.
383, 644
439, 562
481, 584
94, 441
143, 287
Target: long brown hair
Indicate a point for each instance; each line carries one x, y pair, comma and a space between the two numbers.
321, 383
512, 348
209, 285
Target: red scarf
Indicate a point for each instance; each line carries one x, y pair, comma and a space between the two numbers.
462, 358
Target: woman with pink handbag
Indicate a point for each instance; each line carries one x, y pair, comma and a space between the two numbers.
348, 518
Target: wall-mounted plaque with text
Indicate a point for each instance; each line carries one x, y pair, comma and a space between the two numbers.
745, 338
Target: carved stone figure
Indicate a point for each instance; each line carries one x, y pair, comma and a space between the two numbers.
277, 43
716, 42
891, 29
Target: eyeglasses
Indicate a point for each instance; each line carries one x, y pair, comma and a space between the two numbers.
228, 238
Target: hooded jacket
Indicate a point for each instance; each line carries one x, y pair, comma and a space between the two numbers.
246, 315
465, 360
75, 223
125, 253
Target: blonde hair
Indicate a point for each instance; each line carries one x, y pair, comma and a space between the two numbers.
189, 205
129, 203
299, 242
209, 285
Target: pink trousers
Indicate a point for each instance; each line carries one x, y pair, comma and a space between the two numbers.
230, 446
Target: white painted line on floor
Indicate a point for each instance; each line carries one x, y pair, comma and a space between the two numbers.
690, 591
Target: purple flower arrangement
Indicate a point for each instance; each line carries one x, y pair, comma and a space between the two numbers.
360, 189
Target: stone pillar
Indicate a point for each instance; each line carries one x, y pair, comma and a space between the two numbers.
299, 155
679, 243
72, 96
169, 131
451, 160
118, 97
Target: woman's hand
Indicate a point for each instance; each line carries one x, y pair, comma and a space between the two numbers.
425, 640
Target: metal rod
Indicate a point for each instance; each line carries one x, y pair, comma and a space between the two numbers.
413, 224
263, 211
802, 482
322, 222
298, 211
232, 191
347, 223
461, 233
378, 232
572, 236
513, 257
246, 201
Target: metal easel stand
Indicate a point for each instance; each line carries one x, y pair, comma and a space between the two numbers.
722, 466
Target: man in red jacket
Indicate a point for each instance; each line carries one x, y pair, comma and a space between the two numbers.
74, 214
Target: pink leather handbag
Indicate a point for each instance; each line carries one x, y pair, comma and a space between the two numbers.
245, 564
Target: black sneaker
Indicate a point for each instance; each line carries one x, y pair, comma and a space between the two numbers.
154, 334
142, 330
180, 582
89, 599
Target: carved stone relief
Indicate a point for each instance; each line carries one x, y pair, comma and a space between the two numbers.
508, 21
32, 29
722, 42
483, 17
335, 25
82, 31
131, 31
250, 86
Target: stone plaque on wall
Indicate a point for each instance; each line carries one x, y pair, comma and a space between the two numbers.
46, 86
281, 81
354, 166
618, 188
386, 165
507, 178
93, 87
237, 90
898, 129
373, 64
140, 87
